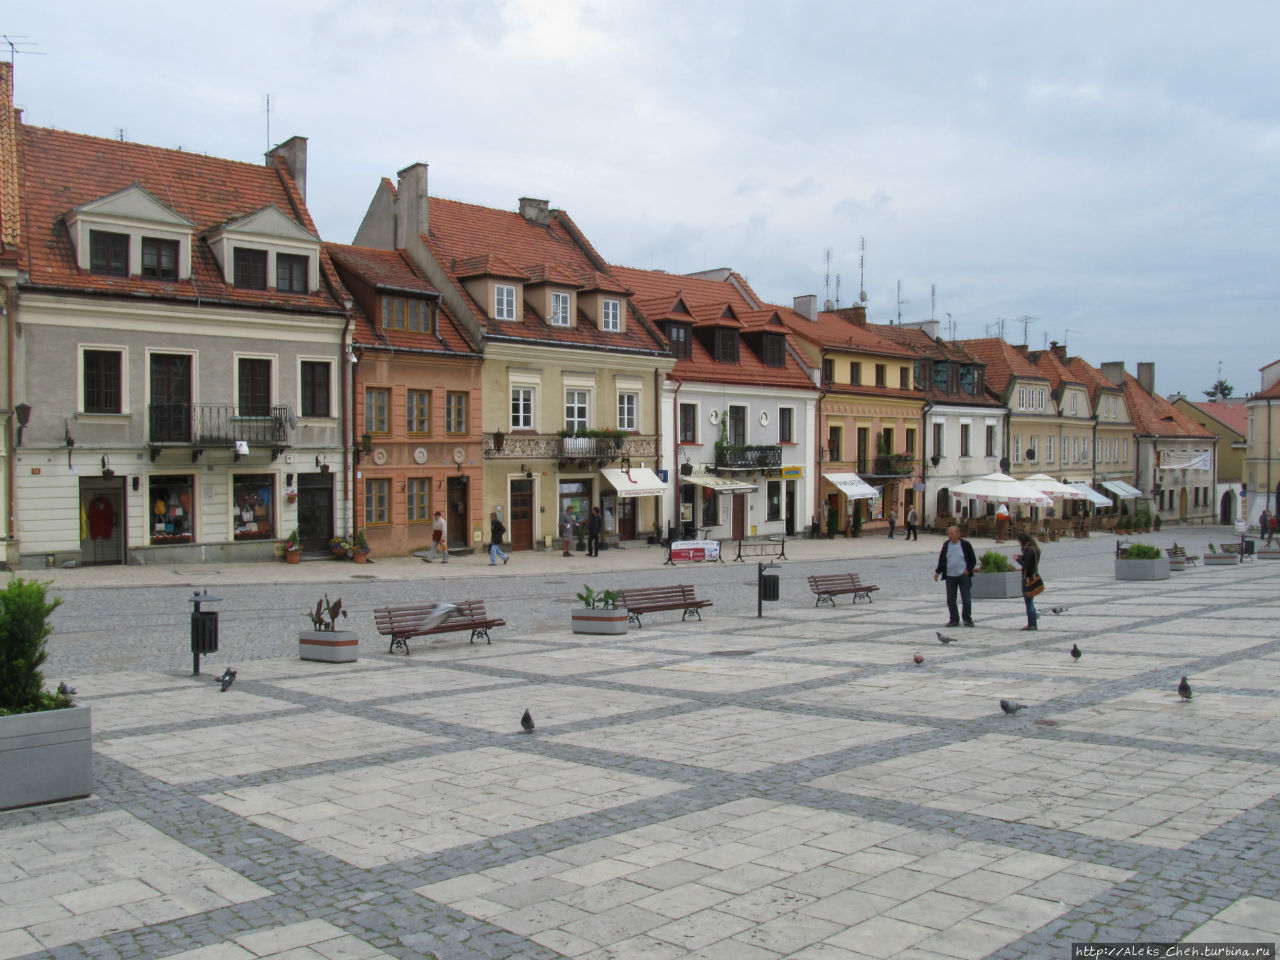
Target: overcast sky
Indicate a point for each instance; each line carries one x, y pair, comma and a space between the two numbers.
1107, 168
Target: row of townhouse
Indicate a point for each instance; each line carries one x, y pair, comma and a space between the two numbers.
191, 373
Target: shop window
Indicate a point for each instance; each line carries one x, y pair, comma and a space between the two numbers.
710, 507
773, 507
253, 500
171, 499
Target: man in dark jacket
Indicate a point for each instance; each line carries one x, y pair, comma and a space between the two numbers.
595, 523
496, 531
956, 562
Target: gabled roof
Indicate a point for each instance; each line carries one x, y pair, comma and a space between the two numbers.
651, 284
550, 273
489, 265
1004, 363
1092, 378
834, 331
61, 171
1154, 416
926, 347
1053, 369
1232, 414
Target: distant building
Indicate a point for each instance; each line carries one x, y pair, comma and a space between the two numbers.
1227, 418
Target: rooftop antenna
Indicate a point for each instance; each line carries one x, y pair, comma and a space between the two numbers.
997, 328
933, 299
268, 123
1025, 321
837, 291
826, 277
900, 302
862, 280
19, 40
951, 325
1064, 337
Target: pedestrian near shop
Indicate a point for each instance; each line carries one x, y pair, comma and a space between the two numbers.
595, 523
893, 522
497, 529
566, 531
439, 539
1032, 583
913, 518
956, 562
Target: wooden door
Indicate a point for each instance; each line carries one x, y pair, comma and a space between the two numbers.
626, 518
739, 515
456, 513
315, 511
521, 531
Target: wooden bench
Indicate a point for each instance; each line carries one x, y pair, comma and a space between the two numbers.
1244, 552
640, 600
768, 547
403, 623
828, 586
1177, 551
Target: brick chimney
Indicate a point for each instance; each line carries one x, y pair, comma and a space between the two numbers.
293, 155
1147, 377
807, 306
535, 211
411, 204
855, 315
1059, 350
1113, 370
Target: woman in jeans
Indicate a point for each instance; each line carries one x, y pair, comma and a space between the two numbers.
1030, 561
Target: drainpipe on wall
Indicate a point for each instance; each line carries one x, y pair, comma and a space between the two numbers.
347, 382
657, 458
1270, 489
675, 448
10, 304
820, 514
924, 459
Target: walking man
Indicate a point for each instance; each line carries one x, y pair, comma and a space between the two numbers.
956, 562
439, 543
893, 522
496, 531
594, 524
912, 519
566, 530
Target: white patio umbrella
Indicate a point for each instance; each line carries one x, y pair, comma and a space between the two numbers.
1046, 484
1004, 488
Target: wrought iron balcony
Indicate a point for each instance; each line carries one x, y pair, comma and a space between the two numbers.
590, 448
749, 458
896, 465
201, 425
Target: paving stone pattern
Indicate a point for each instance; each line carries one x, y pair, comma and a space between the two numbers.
737, 789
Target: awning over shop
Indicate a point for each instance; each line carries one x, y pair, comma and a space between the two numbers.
1093, 495
1122, 490
636, 482
719, 484
851, 485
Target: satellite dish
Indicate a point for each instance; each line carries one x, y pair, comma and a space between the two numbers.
828, 305
293, 419
862, 296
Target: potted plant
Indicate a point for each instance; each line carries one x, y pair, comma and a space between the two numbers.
324, 641
1155, 523
45, 737
1142, 561
996, 578
360, 547
340, 547
600, 613
292, 547
1214, 558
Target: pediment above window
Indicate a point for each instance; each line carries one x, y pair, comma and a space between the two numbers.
261, 248
132, 205
269, 222
132, 219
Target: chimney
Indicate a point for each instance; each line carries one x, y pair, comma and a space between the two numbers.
1059, 350
411, 204
807, 306
1147, 377
930, 327
1113, 370
855, 315
293, 155
535, 211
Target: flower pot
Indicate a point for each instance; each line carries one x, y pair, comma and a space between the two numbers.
1156, 568
45, 757
997, 586
599, 621
360, 556
1177, 564
292, 556
339, 553
329, 646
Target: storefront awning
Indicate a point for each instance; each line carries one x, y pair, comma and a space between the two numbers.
852, 485
720, 484
636, 482
1122, 490
1097, 499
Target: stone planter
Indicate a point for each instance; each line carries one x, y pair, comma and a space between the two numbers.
1220, 559
1177, 564
329, 646
1268, 554
599, 621
45, 756
1153, 569
997, 586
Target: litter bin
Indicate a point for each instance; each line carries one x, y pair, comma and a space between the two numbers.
204, 629
769, 587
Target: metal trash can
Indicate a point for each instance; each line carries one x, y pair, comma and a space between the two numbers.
770, 588
204, 629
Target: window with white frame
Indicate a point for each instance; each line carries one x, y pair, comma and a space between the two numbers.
559, 310
1084, 449
522, 408
1048, 448
1073, 404
965, 430
688, 423
1017, 449
1075, 449
504, 301
1032, 444
103, 375
628, 405
991, 440
786, 425
576, 403
1022, 398
937, 440
611, 316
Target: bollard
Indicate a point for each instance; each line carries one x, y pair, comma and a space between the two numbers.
204, 629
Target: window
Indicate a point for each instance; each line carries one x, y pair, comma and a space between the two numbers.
904, 378
109, 253
881, 372
254, 387
1022, 398
991, 440
253, 500
522, 408
249, 268
773, 500
941, 376
377, 401
418, 499
726, 346
159, 259
504, 301
969, 380
455, 412
1084, 449
1195, 496
1073, 405
418, 411
1048, 448
316, 377
559, 310
172, 521
401, 313
1075, 449
611, 316
1017, 449
911, 442
628, 404
377, 501
688, 423
964, 440
170, 392
737, 425
678, 334
786, 425
774, 355
855, 373
710, 507
937, 440
833, 443
575, 409
828, 370
291, 272
1033, 443
102, 370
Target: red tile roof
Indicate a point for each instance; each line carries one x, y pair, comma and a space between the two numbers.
489, 265
1093, 378
1271, 393
1154, 416
835, 331
61, 171
1004, 362
1232, 414
10, 208
1053, 369
927, 348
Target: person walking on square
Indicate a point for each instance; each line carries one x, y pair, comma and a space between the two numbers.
595, 523
566, 530
912, 519
496, 531
956, 562
893, 522
439, 543
1029, 560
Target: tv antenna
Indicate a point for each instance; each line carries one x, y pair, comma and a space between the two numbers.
268, 123
933, 299
1064, 337
16, 41
826, 277
862, 280
997, 328
837, 291
1025, 321
951, 325
900, 302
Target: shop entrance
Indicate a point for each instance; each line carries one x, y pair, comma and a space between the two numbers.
315, 511
102, 528
521, 515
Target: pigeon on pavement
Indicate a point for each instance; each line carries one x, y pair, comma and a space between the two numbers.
1184, 689
526, 722
1011, 707
1058, 610
227, 679
1075, 653
65, 690
944, 639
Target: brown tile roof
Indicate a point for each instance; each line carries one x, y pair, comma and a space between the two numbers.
1232, 414
488, 265
1271, 393
1004, 362
1053, 369
1091, 377
10, 208
832, 330
1154, 416
658, 284
61, 171
551, 274
381, 268
927, 348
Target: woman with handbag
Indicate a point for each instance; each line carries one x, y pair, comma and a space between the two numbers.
1032, 584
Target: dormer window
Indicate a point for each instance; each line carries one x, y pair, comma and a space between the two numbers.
773, 352
611, 316
109, 253
250, 269
726, 346
291, 272
559, 316
504, 297
159, 258
406, 313
678, 334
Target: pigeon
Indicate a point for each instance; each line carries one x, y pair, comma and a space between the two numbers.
1075, 653
440, 612
1184, 689
944, 639
65, 690
227, 679
918, 658
1058, 610
1011, 707
526, 722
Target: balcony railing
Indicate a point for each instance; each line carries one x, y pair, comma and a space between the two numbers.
749, 458
590, 448
201, 425
896, 465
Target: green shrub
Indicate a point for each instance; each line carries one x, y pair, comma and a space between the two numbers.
605, 599
1142, 551
994, 562
24, 625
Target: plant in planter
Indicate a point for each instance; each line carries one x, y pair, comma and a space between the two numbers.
360, 547
996, 578
44, 737
324, 641
600, 613
1216, 558
292, 547
1155, 523
1142, 561
340, 547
